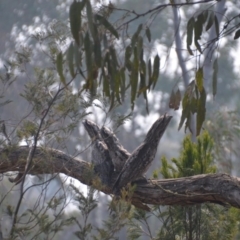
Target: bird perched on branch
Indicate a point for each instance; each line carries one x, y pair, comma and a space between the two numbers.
141, 158
118, 153
101, 159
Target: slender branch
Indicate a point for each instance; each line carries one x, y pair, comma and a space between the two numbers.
31, 154
159, 7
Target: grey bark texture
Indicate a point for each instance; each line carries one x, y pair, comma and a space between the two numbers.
212, 188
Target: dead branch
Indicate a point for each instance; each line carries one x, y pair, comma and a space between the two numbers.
213, 188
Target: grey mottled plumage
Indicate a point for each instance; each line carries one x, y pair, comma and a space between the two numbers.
141, 158
117, 152
101, 159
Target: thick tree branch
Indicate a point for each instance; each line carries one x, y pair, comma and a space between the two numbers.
213, 188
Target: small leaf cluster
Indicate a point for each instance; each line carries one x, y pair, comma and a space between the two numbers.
195, 158
86, 204
205, 221
195, 27
96, 40
194, 101
48, 221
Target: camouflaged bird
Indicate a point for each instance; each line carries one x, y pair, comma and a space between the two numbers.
141, 158
117, 152
100, 158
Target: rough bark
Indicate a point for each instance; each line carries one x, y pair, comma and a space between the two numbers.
213, 188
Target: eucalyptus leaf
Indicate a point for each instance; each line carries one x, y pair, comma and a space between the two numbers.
70, 58
107, 25
59, 63
148, 34
190, 27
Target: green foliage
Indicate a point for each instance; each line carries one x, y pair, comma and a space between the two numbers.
195, 24
104, 68
86, 205
48, 221
120, 212
59, 63
118, 215
194, 101
28, 129
75, 19
140, 220
195, 158
204, 221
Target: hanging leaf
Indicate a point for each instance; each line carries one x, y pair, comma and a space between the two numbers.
175, 100
142, 85
90, 21
107, 25
199, 79
187, 106
123, 80
117, 78
198, 27
149, 72
91, 72
178, 99
140, 46
113, 56
186, 113
210, 21
198, 46
190, 88
105, 73
97, 53
156, 66
237, 34
75, 19
216, 26
60, 68
116, 75
214, 80
148, 34
128, 53
193, 105
112, 101
88, 46
190, 27
77, 56
70, 57
134, 77
135, 35
201, 110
